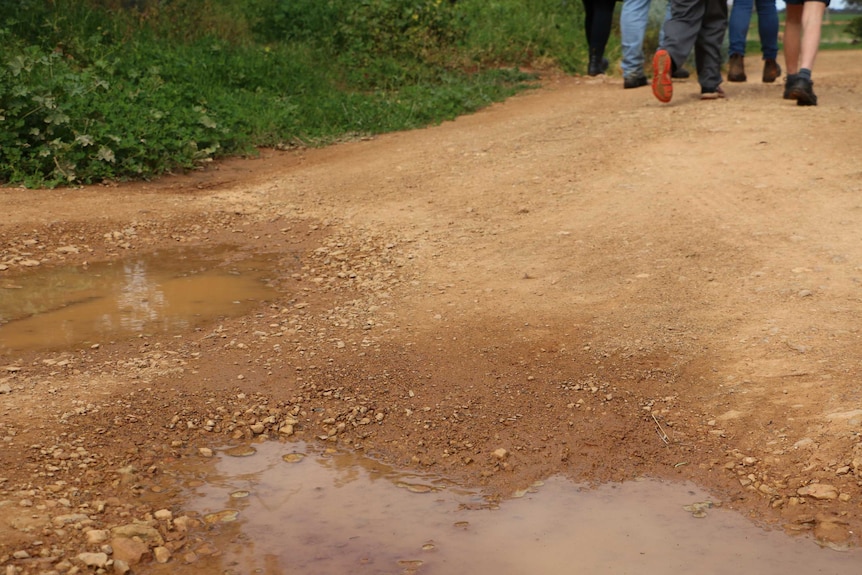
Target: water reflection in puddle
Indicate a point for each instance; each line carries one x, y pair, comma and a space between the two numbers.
165, 291
292, 508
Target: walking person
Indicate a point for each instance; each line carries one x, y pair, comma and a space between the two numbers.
598, 18
801, 43
737, 33
698, 24
634, 18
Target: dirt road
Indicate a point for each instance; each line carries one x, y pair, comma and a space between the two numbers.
578, 281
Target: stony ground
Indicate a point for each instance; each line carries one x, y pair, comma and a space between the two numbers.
579, 281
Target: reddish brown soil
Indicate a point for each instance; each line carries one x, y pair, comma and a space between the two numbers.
600, 285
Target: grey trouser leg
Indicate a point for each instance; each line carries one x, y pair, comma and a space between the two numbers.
707, 48
682, 28
701, 23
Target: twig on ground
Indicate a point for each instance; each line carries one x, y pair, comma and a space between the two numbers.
662, 435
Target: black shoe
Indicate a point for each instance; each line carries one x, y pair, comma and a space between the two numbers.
680, 74
788, 81
802, 90
635, 82
598, 64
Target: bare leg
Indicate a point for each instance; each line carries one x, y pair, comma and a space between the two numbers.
793, 36
812, 19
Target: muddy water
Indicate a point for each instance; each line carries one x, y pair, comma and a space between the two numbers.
294, 508
166, 291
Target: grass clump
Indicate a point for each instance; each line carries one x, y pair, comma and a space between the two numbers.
94, 90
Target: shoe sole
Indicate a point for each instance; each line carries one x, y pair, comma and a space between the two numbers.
802, 97
662, 84
770, 77
713, 96
788, 82
806, 100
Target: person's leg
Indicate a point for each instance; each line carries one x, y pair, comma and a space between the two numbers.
588, 19
812, 21
682, 28
737, 34
767, 27
680, 33
634, 18
680, 71
602, 20
792, 38
666, 18
737, 26
806, 43
708, 46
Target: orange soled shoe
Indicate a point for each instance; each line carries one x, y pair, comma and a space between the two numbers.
662, 83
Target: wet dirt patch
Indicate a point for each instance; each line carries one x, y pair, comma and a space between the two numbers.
293, 506
161, 292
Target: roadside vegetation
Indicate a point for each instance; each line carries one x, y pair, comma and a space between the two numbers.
849, 26
99, 90
96, 90
841, 30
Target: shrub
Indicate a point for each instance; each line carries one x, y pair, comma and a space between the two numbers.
63, 125
526, 32
112, 89
854, 29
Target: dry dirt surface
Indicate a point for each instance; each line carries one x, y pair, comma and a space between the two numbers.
579, 281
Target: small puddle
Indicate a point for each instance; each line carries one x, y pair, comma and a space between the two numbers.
171, 290
295, 508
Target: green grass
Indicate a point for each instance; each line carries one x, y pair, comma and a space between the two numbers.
833, 34
90, 91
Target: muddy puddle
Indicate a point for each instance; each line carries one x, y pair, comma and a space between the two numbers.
280, 508
162, 292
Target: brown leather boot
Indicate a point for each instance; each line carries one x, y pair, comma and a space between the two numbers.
736, 68
771, 70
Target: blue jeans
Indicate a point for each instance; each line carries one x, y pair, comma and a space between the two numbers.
634, 19
767, 27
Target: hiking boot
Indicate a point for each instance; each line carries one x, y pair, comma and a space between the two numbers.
788, 82
736, 68
802, 90
598, 64
662, 68
634, 82
771, 70
605, 65
712, 93
680, 74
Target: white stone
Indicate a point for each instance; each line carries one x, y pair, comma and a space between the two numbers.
162, 554
97, 560
818, 491
95, 536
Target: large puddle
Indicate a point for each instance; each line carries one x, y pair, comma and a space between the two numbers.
163, 292
292, 507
